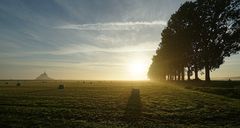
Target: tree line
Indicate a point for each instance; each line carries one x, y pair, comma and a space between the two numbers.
198, 36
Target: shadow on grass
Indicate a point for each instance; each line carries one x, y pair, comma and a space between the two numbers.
133, 109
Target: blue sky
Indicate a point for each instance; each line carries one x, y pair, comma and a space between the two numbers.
84, 39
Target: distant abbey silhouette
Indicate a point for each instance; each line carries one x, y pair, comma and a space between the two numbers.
43, 76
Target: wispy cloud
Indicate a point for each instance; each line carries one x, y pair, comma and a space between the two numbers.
75, 49
117, 26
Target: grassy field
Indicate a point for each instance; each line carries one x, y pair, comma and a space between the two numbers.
226, 88
107, 104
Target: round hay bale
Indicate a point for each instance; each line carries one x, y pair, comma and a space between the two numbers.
61, 86
18, 84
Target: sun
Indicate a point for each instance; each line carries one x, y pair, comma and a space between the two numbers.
137, 70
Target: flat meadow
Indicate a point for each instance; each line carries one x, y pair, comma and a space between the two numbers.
119, 104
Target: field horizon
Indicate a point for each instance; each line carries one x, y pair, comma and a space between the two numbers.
213, 79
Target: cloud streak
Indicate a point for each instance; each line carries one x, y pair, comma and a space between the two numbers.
114, 26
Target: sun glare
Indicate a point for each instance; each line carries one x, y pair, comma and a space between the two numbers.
137, 70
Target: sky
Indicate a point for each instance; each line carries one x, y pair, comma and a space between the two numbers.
85, 39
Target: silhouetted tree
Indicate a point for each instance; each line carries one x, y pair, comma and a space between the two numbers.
216, 42
176, 44
199, 35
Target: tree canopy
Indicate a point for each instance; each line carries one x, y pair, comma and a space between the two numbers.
198, 36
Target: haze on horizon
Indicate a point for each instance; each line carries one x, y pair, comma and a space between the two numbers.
86, 39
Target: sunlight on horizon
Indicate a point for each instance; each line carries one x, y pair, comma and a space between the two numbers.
138, 70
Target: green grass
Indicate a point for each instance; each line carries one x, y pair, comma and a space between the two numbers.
106, 104
226, 88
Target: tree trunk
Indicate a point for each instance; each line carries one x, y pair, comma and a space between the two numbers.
164, 77
207, 73
196, 73
179, 75
183, 74
175, 75
188, 74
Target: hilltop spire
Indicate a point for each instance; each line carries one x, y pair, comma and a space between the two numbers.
43, 76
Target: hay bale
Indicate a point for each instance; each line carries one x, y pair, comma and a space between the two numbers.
229, 80
18, 84
61, 86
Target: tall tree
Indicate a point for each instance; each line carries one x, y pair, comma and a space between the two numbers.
199, 35
215, 41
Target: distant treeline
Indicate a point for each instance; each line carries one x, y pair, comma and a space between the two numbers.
198, 36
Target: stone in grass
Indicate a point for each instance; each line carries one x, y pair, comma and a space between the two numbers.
18, 84
61, 86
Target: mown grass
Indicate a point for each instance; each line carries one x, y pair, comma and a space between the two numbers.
106, 104
226, 88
